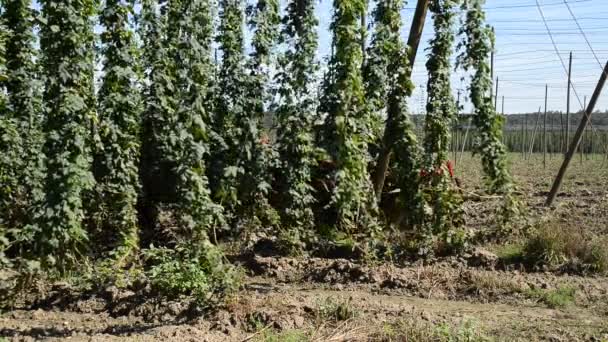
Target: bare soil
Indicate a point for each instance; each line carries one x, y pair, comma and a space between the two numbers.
298, 299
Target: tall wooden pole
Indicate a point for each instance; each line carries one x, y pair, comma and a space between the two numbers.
492, 64
522, 145
568, 104
545, 128
533, 138
504, 127
525, 135
455, 139
363, 33
413, 42
577, 137
496, 97
582, 144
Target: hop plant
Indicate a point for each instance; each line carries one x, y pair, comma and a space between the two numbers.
117, 170
346, 131
441, 111
67, 61
296, 112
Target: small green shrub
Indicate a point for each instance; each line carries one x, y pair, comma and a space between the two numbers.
192, 270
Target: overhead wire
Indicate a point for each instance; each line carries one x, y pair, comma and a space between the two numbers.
542, 14
584, 35
584, 110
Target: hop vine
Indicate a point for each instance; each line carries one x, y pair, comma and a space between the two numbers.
388, 86
117, 172
347, 124
296, 113
441, 111
263, 20
21, 165
233, 143
67, 61
478, 43
192, 21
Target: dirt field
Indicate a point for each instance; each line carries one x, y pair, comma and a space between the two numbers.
475, 297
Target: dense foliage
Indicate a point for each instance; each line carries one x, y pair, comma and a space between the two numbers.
169, 147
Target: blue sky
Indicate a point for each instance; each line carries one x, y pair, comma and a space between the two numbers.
525, 58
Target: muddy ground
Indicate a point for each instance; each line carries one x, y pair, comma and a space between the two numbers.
468, 298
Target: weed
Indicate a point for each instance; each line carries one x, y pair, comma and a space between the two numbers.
562, 245
425, 332
561, 297
491, 282
285, 336
547, 246
193, 271
512, 253
596, 256
335, 310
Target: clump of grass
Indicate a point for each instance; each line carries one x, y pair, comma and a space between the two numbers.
491, 282
561, 297
336, 310
560, 244
511, 253
597, 255
425, 332
285, 336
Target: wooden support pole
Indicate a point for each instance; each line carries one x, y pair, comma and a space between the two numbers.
582, 144
577, 137
413, 42
533, 138
363, 33
496, 97
545, 128
523, 138
568, 104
